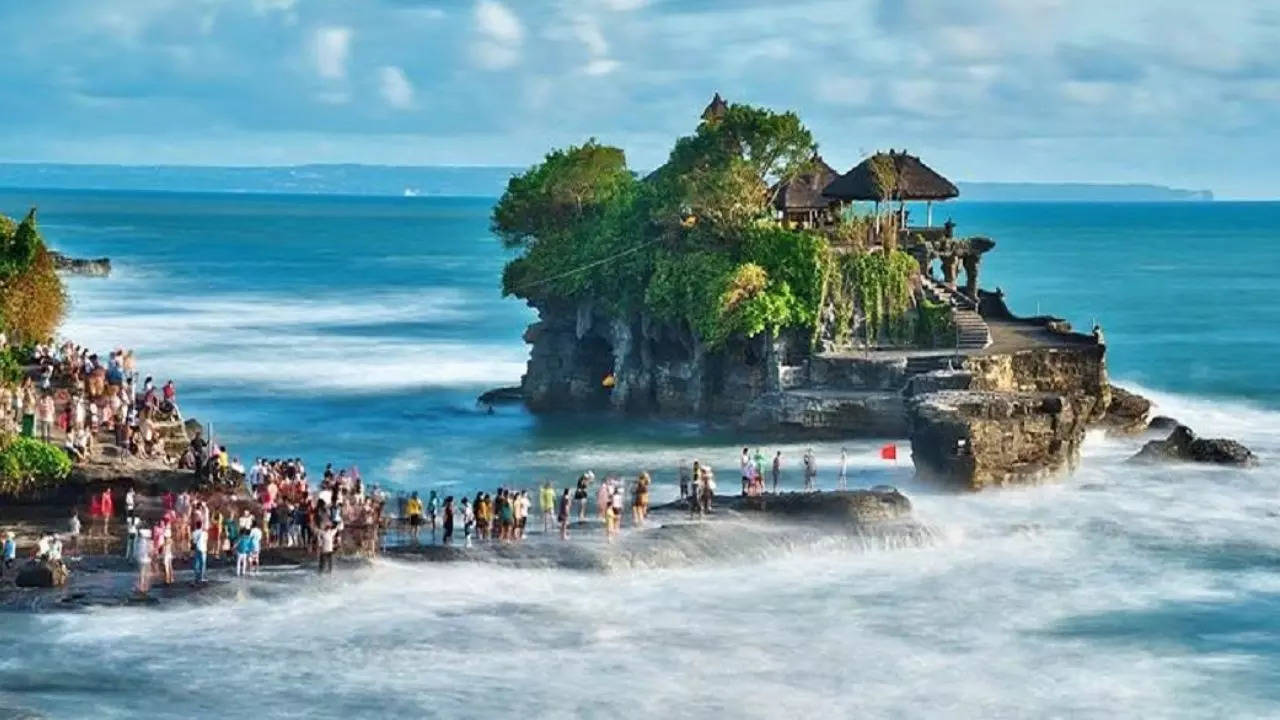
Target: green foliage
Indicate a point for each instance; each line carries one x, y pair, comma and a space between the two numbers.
570, 187
720, 175
880, 284
27, 464
695, 243
18, 245
934, 325
11, 368
32, 297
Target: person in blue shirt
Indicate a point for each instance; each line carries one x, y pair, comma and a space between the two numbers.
10, 552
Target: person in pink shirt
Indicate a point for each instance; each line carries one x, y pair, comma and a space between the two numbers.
107, 506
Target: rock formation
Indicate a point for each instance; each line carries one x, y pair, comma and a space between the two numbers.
976, 439
1126, 413
1182, 445
42, 574
98, 267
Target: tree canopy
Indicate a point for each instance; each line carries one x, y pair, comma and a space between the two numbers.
694, 243
32, 297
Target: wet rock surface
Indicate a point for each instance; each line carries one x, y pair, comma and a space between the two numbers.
1183, 445
94, 267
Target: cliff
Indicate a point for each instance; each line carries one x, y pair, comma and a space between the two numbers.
1015, 411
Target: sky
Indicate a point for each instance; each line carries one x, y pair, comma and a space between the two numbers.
1176, 92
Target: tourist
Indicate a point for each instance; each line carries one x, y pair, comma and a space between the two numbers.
640, 501
433, 512
610, 519
244, 548
448, 520
131, 536
580, 494
166, 554
843, 482
695, 490
142, 556
604, 495
200, 550
108, 506
684, 479
562, 514
523, 503
707, 490
810, 471
745, 464
615, 506
547, 503
468, 521
73, 531
130, 501
506, 515
414, 509
44, 417
9, 553
327, 536
255, 547
777, 470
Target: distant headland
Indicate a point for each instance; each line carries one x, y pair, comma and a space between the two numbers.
457, 181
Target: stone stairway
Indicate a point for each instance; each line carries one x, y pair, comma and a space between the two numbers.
972, 332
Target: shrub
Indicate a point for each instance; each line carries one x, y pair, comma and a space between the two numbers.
27, 464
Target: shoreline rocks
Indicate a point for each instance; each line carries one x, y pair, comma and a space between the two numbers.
973, 439
1182, 445
95, 267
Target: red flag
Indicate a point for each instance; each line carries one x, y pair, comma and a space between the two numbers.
889, 452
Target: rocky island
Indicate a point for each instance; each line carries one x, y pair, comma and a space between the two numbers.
746, 281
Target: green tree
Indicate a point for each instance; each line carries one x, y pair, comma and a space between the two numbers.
569, 187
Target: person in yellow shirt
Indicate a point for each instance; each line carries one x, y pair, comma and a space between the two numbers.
547, 501
413, 508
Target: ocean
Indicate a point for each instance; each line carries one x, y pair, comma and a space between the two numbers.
359, 330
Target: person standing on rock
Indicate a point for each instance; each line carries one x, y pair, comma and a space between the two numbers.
9, 554
777, 470
142, 556
328, 533
433, 512
810, 471
745, 463
200, 551
580, 494
843, 483
547, 503
413, 509
562, 515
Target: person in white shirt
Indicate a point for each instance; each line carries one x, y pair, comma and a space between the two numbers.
747, 470
843, 483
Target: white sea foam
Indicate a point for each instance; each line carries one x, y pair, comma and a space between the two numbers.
297, 344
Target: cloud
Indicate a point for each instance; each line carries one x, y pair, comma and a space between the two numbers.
395, 88
990, 88
331, 49
499, 36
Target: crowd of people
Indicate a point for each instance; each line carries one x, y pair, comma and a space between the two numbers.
77, 399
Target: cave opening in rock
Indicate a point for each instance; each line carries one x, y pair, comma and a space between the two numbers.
593, 359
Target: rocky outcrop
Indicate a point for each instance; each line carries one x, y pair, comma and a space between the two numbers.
1126, 413
97, 267
1182, 445
42, 574
974, 439
855, 507
1162, 423
654, 367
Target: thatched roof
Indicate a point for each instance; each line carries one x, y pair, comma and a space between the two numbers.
715, 109
891, 176
804, 191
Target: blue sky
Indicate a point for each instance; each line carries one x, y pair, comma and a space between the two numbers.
1179, 92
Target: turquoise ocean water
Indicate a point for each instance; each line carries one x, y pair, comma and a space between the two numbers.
358, 331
